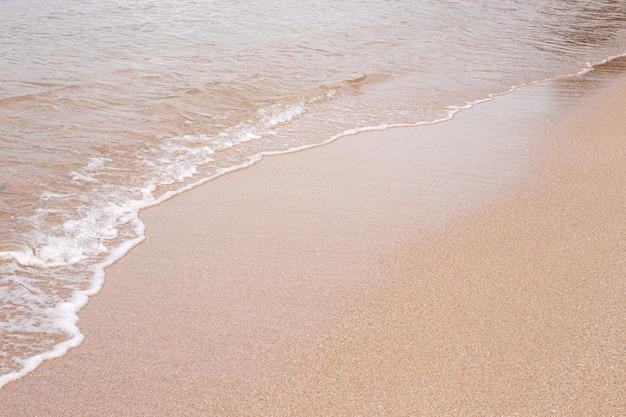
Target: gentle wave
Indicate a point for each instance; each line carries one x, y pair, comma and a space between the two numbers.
89, 236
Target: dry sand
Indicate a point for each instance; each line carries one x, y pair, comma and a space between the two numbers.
476, 267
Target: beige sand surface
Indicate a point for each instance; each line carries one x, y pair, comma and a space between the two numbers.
406, 272
520, 310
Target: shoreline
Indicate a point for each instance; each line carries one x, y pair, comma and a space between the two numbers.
241, 299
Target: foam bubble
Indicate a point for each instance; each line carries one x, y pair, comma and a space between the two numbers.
24, 257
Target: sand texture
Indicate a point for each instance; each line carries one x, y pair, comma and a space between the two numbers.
475, 267
520, 310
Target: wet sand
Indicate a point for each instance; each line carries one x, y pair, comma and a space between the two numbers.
517, 310
475, 267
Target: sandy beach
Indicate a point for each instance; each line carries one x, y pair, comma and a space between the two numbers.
473, 267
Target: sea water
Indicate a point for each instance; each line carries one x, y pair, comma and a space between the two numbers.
108, 107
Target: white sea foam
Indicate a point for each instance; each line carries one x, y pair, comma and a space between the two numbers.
91, 235
25, 256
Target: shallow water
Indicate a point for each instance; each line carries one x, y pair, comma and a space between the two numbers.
111, 106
